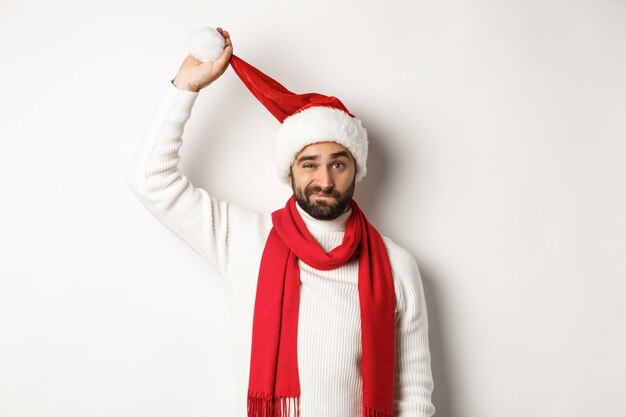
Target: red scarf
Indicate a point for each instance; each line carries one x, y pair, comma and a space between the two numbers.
274, 383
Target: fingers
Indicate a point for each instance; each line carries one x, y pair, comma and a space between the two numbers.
222, 61
226, 36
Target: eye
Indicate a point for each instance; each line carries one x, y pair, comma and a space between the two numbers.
338, 165
307, 166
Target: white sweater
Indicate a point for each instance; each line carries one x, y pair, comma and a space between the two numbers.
232, 240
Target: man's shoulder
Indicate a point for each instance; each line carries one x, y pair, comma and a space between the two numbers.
401, 259
238, 216
406, 275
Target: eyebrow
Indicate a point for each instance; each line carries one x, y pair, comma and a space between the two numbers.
315, 157
308, 158
339, 154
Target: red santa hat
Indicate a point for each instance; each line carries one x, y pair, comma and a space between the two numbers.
305, 118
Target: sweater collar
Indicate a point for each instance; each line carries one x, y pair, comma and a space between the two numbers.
338, 224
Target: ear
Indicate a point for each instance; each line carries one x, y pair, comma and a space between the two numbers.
290, 176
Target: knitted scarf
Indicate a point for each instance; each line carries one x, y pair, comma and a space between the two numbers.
274, 383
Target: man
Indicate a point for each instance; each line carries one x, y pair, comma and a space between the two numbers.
337, 312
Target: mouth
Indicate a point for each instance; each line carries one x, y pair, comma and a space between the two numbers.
318, 195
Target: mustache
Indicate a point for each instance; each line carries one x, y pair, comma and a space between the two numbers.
330, 191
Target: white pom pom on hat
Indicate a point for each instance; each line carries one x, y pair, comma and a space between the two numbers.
206, 44
305, 118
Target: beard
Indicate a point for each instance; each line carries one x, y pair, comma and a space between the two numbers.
323, 209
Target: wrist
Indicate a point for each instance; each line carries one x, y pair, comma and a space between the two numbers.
181, 85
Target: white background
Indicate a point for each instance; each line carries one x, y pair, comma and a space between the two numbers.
497, 154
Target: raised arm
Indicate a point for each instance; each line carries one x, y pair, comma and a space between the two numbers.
214, 229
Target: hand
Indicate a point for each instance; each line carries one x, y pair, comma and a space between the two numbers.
194, 75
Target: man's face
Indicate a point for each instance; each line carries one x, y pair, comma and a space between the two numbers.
323, 179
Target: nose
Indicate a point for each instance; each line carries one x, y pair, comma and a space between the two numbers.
325, 178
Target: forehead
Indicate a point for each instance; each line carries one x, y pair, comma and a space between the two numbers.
322, 148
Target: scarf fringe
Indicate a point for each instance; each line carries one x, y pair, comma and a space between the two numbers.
267, 405
370, 412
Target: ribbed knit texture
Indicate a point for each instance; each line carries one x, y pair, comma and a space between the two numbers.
232, 240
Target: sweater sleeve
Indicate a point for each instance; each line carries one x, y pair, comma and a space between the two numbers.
413, 378
216, 230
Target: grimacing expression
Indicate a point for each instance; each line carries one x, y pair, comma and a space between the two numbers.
323, 179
